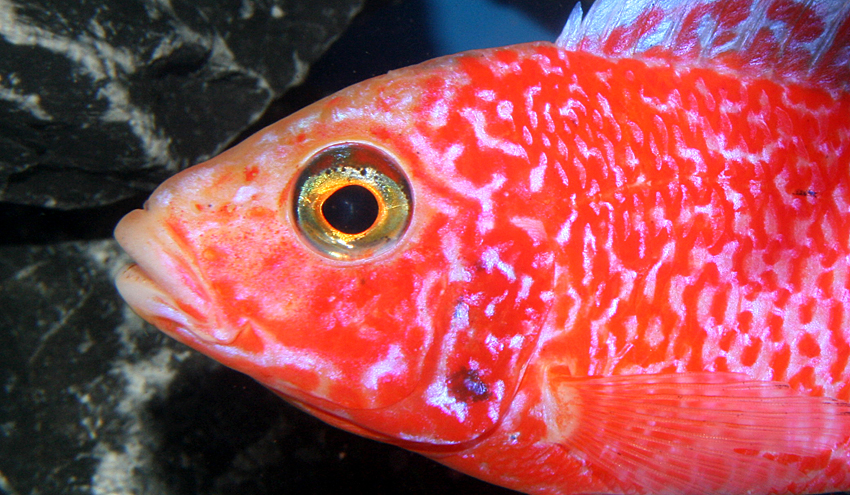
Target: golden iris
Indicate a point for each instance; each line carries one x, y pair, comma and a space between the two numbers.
352, 201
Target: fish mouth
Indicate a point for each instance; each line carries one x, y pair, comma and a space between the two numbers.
162, 286
150, 301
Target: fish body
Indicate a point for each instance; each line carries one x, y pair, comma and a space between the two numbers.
615, 264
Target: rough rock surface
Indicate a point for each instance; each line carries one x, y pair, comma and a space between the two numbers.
99, 100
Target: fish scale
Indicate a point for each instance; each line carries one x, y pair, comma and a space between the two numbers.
622, 265
709, 225
713, 247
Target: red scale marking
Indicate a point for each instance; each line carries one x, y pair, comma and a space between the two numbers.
808, 346
588, 177
751, 352
251, 173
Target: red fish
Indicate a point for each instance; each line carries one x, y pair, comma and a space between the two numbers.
619, 263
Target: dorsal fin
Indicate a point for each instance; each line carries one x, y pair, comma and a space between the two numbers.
802, 41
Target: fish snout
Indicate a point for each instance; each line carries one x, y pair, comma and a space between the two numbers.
162, 286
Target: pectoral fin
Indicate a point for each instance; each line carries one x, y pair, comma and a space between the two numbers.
689, 433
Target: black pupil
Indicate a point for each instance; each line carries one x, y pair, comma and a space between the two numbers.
351, 209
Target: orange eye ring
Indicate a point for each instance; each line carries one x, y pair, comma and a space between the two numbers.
352, 202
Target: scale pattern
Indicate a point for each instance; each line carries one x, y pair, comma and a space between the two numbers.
696, 222
700, 220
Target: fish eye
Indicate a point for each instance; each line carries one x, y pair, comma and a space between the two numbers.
351, 201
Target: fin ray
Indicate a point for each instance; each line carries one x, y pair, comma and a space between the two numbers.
693, 433
802, 41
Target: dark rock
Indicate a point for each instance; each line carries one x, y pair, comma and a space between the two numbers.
75, 366
101, 100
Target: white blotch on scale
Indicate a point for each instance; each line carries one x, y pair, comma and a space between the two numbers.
437, 393
244, 194
477, 120
537, 173
564, 233
534, 227
393, 364
530, 93
450, 245
491, 259
525, 287
490, 310
505, 110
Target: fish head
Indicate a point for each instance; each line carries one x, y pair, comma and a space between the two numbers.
415, 324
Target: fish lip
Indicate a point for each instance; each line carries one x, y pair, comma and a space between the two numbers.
161, 285
149, 300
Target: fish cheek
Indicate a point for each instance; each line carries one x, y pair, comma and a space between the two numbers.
362, 320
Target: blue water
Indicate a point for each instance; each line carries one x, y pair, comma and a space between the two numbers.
456, 25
